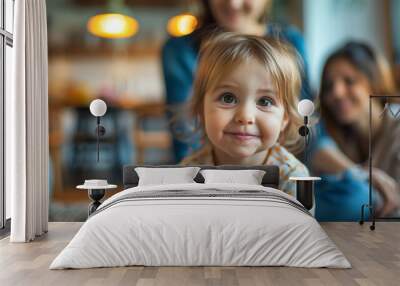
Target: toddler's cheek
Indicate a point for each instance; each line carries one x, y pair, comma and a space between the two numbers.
269, 137
214, 131
216, 124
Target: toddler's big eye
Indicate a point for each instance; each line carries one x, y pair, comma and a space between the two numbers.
265, 101
228, 98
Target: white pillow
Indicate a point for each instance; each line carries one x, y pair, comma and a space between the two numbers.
162, 176
249, 177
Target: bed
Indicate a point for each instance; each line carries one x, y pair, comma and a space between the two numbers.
201, 224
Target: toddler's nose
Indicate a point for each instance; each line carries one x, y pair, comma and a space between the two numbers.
245, 121
244, 117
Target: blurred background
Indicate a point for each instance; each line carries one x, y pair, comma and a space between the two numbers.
127, 74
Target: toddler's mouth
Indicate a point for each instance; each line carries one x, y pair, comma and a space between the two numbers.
242, 136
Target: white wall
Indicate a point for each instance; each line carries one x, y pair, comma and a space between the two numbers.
330, 23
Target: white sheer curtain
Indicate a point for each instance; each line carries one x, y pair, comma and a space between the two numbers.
27, 124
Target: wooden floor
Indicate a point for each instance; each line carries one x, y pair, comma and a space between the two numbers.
374, 255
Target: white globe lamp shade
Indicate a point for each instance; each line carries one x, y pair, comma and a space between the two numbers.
98, 107
305, 107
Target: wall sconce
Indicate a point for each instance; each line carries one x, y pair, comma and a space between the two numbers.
98, 108
305, 109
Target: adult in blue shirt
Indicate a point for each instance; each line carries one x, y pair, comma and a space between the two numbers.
179, 57
340, 152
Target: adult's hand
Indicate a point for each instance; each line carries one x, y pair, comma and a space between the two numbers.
389, 190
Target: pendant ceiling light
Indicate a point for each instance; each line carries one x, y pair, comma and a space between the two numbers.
181, 25
115, 24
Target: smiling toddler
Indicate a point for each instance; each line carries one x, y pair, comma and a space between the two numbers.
245, 96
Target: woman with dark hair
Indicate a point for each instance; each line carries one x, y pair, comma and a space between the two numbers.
179, 55
350, 75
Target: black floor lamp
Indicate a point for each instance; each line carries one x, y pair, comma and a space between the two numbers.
386, 108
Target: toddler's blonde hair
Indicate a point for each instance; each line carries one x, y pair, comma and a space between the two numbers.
223, 52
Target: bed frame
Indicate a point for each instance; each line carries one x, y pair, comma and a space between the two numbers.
270, 179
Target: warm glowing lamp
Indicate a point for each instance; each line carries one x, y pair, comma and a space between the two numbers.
112, 25
181, 25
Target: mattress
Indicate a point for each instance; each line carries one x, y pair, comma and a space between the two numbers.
201, 225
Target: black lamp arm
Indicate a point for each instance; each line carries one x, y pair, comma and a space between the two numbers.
100, 131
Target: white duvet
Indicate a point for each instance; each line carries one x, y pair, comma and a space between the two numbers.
183, 231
